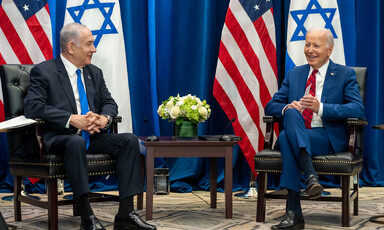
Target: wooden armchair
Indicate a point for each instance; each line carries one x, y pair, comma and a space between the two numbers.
28, 143
343, 164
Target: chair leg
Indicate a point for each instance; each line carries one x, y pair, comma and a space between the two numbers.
140, 197
262, 188
16, 194
52, 205
345, 209
356, 201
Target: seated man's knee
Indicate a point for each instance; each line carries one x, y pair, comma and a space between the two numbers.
75, 140
292, 115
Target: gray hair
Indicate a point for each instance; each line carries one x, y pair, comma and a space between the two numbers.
327, 32
70, 33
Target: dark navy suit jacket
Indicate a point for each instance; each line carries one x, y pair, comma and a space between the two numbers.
340, 97
50, 97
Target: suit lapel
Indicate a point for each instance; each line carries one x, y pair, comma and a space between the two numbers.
330, 78
89, 88
66, 84
303, 76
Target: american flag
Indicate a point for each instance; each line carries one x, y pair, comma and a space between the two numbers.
25, 35
246, 73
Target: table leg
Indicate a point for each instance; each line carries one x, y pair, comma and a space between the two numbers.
149, 192
228, 182
213, 181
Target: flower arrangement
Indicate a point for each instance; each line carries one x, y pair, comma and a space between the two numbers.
183, 108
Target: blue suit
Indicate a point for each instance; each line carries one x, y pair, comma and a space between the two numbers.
341, 99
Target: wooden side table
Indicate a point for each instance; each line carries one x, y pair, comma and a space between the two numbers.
376, 218
167, 147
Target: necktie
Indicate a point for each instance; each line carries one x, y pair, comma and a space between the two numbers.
83, 104
307, 113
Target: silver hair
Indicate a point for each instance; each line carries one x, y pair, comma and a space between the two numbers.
327, 32
70, 33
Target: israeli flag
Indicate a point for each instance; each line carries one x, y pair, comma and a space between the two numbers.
103, 18
306, 14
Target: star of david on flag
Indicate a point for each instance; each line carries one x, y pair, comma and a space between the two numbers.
105, 8
306, 14
103, 18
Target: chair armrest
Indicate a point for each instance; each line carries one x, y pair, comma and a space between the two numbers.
270, 119
355, 124
268, 138
357, 121
115, 120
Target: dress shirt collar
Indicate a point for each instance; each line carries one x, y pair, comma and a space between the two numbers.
322, 70
71, 68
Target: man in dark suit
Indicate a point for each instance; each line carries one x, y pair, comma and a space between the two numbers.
313, 102
77, 118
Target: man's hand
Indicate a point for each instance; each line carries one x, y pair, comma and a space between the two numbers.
91, 122
310, 102
295, 105
96, 122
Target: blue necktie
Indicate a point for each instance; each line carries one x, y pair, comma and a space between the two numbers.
83, 104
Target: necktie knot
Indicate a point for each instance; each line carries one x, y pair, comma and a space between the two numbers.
315, 71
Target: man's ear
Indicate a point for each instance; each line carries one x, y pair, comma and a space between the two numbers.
70, 47
330, 51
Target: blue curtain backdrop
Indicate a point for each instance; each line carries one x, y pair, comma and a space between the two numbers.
172, 48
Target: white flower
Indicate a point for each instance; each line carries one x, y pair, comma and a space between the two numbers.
187, 107
203, 111
198, 101
174, 113
170, 104
160, 110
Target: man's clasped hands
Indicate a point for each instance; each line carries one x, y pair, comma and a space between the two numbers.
91, 122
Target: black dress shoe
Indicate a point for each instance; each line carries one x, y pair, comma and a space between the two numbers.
314, 188
131, 221
91, 223
290, 222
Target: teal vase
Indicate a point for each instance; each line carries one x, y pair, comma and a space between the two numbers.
186, 130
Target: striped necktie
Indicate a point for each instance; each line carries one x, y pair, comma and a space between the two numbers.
307, 113
84, 104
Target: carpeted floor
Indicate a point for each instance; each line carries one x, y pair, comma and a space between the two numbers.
191, 211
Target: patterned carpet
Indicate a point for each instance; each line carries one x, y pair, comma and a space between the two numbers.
191, 211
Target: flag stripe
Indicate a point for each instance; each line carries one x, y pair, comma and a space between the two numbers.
225, 93
241, 86
13, 38
2, 61
257, 47
245, 69
247, 51
246, 73
5, 48
41, 38
269, 47
23, 32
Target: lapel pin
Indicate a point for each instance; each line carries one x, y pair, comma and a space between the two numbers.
332, 74
90, 77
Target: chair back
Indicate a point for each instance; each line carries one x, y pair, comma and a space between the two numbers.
15, 83
361, 74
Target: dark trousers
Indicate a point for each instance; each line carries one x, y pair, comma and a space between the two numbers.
123, 147
294, 137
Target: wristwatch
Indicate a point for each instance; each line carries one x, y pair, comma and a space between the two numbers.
109, 121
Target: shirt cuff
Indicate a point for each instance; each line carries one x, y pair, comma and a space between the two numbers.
67, 125
320, 113
282, 111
